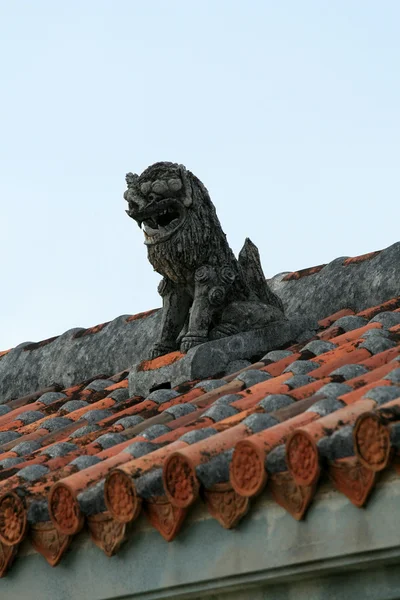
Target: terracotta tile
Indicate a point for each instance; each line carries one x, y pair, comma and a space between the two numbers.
356, 334
29, 399
352, 479
225, 505
372, 441
141, 315
279, 366
303, 273
90, 330
345, 356
369, 313
36, 345
161, 361
247, 471
179, 471
124, 384
302, 455
292, 497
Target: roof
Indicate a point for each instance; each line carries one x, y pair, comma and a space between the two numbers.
324, 405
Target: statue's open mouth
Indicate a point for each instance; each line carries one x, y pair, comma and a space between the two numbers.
160, 219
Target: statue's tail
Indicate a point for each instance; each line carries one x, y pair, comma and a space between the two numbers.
249, 260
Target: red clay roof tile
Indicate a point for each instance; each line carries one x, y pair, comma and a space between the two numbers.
152, 442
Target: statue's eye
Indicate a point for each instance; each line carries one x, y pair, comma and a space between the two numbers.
174, 185
145, 188
160, 187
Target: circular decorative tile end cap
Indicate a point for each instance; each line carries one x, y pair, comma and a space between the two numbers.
247, 472
372, 442
180, 481
12, 519
64, 509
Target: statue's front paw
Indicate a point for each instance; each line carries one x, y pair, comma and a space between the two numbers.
190, 341
160, 350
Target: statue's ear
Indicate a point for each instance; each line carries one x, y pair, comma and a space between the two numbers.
188, 199
131, 179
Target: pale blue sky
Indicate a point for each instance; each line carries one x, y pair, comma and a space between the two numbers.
288, 112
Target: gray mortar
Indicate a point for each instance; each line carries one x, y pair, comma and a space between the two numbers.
259, 421
382, 394
318, 347
219, 412
50, 397
25, 448
394, 376
98, 385
395, 436
376, 332
349, 371
216, 470
338, 445
38, 512
326, 406
4, 409
108, 440
276, 355
298, 381
83, 462
350, 322
387, 319
129, 421
376, 344
155, 431
119, 395
30, 416
60, 449
85, 430
33, 472
150, 484
180, 410
72, 405
227, 399
95, 415
275, 402
334, 390
212, 358
8, 436
197, 435
138, 449
357, 286
208, 385
56, 423
301, 367
91, 501
253, 376
162, 396
7, 463
275, 461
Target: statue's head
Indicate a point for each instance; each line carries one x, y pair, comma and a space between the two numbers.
159, 200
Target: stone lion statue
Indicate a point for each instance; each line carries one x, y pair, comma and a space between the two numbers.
207, 293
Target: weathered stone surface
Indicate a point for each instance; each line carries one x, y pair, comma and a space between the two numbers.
207, 292
120, 344
68, 360
357, 286
212, 358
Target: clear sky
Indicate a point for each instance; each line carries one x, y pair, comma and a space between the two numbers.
287, 111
